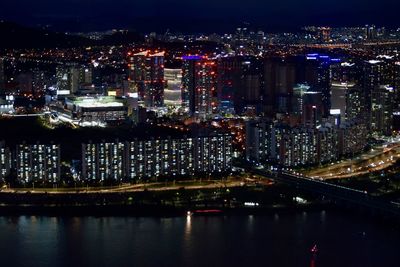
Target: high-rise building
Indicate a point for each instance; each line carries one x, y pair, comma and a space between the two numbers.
103, 161
68, 78
339, 92
239, 84
173, 90
2, 77
355, 104
279, 80
152, 158
294, 146
297, 106
5, 161
147, 72
38, 162
370, 32
312, 108
381, 110
199, 80
258, 140
352, 137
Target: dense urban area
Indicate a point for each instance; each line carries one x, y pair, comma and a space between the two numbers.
121, 111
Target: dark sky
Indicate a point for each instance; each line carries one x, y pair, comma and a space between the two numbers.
199, 15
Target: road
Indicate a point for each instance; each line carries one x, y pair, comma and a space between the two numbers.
335, 192
190, 185
379, 158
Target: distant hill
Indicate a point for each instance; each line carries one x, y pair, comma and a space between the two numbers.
16, 36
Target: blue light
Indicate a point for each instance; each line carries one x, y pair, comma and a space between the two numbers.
192, 57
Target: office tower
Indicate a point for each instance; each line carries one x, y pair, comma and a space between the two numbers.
199, 86
173, 90
239, 84
297, 103
279, 80
318, 76
339, 92
147, 73
312, 108
38, 162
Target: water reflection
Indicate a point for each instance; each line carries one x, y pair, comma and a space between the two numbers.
188, 227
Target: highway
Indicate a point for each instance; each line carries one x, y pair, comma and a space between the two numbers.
378, 158
191, 185
334, 192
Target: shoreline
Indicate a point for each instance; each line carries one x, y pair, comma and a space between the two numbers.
149, 210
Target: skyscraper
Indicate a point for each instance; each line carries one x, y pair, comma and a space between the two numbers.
173, 90
199, 85
239, 83
147, 73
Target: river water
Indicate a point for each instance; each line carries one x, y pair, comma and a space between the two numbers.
282, 239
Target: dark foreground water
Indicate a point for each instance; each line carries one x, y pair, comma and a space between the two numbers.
268, 240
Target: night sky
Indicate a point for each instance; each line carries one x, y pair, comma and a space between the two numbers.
199, 15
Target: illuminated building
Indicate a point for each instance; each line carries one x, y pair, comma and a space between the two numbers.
173, 90
298, 99
147, 73
355, 104
339, 92
370, 32
5, 161
327, 148
352, 137
2, 78
239, 84
324, 34
103, 161
294, 146
199, 86
68, 78
38, 162
155, 157
87, 110
318, 76
312, 108
279, 80
381, 110
258, 140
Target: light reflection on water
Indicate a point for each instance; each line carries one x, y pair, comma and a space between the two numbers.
277, 240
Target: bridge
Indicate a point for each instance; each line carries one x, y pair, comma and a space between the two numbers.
334, 192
